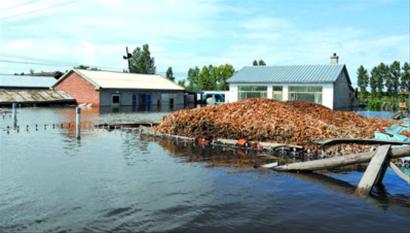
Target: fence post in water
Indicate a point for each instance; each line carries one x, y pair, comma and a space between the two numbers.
14, 113
77, 122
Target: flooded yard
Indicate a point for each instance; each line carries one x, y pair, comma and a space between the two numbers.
118, 181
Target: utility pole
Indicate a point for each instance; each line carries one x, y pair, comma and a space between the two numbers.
127, 57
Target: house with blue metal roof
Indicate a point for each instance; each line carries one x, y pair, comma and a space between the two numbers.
328, 85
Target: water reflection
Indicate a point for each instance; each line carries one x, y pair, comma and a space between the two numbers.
214, 156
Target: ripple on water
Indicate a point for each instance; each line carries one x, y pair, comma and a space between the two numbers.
117, 182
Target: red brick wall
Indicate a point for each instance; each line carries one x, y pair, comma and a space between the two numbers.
80, 89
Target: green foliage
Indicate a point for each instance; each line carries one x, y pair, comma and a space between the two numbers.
374, 76
258, 63
141, 61
182, 83
382, 71
362, 80
85, 67
374, 105
405, 78
170, 74
395, 76
210, 77
261, 63
82, 67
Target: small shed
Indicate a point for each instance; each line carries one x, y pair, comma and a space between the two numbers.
115, 89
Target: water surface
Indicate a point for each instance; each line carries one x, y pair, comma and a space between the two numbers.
117, 181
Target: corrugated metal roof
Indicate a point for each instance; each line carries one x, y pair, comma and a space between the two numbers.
288, 74
119, 80
25, 81
33, 96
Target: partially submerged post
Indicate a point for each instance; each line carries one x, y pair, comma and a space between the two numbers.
14, 115
77, 122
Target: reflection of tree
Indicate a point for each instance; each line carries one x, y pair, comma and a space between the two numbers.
212, 155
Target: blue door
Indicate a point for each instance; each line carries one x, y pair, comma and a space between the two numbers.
134, 100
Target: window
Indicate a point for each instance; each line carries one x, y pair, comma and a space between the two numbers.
308, 93
116, 99
277, 93
245, 92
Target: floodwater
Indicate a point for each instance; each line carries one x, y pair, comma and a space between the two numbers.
117, 181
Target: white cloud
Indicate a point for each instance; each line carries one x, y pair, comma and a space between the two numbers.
183, 34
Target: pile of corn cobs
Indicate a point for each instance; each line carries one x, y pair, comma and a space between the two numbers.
291, 122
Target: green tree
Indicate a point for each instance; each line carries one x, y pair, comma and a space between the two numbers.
261, 63
395, 76
182, 83
193, 78
31, 71
382, 76
170, 74
362, 80
210, 77
224, 72
205, 80
374, 77
405, 78
258, 63
82, 67
388, 80
141, 61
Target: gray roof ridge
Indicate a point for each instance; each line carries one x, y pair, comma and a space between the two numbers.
250, 66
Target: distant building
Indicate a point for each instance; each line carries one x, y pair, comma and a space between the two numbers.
115, 89
31, 90
328, 85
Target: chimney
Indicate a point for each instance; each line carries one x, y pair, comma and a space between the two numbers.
334, 59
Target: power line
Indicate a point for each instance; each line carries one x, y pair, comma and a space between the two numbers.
18, 59
38, 10
7, 56
55, 65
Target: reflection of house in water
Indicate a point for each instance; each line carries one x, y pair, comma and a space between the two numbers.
116, 89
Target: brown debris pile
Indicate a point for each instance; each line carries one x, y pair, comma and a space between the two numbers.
292, 122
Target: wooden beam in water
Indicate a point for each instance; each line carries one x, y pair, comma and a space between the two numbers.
399, 172
395, 152
374, 171
359, 141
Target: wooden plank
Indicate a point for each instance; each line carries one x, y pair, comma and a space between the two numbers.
395, 152
358, 141
399, 172
270, 165
373, 171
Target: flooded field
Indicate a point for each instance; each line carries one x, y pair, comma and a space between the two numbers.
118, 181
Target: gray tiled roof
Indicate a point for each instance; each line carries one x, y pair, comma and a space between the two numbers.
288, 74
26, 81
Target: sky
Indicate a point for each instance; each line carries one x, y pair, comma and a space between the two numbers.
58, 34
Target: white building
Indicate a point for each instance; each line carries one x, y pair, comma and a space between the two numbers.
328, 85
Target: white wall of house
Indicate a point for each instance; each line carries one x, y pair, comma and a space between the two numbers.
327, 92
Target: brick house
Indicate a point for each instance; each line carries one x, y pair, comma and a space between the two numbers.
107, 88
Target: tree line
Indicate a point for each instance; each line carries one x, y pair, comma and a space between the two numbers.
384, 80
210, 77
